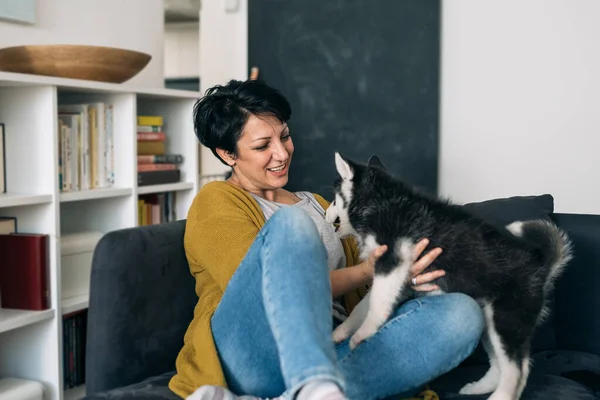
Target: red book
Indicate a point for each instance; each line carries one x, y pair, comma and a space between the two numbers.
156, 167
151, 136
23, 271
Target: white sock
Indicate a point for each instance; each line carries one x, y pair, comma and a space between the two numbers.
321, 390
210, 392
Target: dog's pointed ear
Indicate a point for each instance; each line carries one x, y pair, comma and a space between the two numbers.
374, 161
343, 167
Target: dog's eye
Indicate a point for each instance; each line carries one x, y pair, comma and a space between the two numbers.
333, 203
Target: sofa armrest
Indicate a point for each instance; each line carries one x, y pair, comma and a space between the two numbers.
141, 301
577, 295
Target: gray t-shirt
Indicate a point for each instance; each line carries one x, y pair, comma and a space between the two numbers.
336, 257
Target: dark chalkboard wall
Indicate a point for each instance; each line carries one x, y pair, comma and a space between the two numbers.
362, 77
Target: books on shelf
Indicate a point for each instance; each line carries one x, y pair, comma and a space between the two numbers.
158, 177
155, 165
160, 159
86, 146
156, 208
74, 344
2, 160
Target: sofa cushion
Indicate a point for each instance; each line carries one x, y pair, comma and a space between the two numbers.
501, 212
154, 388
142, 300
539, 387
555, 375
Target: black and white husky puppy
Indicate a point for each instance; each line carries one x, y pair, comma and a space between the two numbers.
510, 273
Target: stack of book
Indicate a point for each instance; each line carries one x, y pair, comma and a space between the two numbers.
74, 344
85, 146
155, 165
2, 160
156, 208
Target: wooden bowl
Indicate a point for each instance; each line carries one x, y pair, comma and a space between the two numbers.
95, 63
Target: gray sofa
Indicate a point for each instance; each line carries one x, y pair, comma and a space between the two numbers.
142, 300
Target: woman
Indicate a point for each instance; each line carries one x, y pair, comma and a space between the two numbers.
273, 281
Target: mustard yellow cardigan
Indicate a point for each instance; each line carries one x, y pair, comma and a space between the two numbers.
222, 223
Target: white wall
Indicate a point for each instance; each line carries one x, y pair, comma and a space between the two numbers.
521, 101
520, 96
224, 55
182, 50
132, 24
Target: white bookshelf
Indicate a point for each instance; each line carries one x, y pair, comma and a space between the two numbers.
31, 341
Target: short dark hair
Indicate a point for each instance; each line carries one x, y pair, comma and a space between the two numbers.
220, 116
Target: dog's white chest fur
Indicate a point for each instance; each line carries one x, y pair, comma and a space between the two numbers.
378, 305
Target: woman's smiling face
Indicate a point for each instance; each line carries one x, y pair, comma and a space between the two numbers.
264, 154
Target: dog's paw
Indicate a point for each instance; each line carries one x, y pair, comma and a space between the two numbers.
340, 334
469, 388
498, 395
355, 340
475, 388
359, 337
363, 333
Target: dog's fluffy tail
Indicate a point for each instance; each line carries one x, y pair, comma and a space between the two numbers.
555, 245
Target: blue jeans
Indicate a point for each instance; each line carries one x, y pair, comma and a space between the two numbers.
273, 325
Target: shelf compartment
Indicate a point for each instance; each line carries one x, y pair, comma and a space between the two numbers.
32, 350
33, 218
30, 142
180, 139
178, 127
100, 215
116, 159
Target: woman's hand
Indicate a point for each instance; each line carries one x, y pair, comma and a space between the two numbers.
423, 280
368, 266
